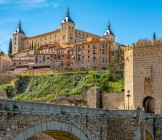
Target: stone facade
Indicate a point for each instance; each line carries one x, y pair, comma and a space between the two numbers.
5, 62
22, 120
143, 76
94, 98
113, 100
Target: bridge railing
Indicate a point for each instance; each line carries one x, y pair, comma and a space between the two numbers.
22, 107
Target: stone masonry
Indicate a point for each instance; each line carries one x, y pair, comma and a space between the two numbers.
143, 76
22, 120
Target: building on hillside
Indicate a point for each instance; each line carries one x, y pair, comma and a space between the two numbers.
5, 61
59, 47
143, 76
93, 53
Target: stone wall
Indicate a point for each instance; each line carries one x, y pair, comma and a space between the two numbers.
113, 100
118, 129
74, 100
6, 78
32, 118
94, 98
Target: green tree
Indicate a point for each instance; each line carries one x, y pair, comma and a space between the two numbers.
10, 48
116, 66
1, 52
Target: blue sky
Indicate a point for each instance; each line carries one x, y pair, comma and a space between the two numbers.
131, 20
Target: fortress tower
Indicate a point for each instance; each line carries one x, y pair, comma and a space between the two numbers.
143, 76
18, 37
67, 29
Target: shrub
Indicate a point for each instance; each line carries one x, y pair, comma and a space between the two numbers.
9, 90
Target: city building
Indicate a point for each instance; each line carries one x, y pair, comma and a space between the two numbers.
5, 62
64, 47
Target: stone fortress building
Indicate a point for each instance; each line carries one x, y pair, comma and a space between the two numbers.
65, 47
143, 76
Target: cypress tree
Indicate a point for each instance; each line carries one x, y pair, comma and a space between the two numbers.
10, 48
116, 66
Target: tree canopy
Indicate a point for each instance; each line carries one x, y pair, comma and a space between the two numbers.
116, 66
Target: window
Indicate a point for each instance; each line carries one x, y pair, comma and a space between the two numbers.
44, 59
102, 61
36, 59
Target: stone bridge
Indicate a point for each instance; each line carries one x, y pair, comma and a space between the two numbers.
22, 120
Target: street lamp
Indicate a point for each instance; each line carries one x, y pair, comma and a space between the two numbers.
128, 95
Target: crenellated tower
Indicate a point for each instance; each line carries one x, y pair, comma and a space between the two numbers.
18, 37
67, 31
109, 34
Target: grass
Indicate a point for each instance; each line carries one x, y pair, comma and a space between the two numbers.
47, 87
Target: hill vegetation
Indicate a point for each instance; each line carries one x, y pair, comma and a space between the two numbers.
47, 87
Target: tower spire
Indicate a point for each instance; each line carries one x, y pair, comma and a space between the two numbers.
109, 32
109, 25
19, 25
19, 29
68, 12
67, 18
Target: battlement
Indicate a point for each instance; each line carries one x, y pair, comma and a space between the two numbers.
144, 43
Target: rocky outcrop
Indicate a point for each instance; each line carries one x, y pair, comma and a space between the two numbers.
3, 94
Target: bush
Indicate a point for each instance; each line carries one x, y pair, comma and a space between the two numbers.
9, 90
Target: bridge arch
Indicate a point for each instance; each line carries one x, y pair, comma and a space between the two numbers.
53, 125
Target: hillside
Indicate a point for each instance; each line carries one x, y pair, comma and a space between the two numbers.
47, 87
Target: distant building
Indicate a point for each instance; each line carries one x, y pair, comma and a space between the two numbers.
66, 47
5, 61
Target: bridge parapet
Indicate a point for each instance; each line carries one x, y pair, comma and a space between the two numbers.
50, 109
21, 120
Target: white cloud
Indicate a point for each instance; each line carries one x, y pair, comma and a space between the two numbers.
27, 4
55, 4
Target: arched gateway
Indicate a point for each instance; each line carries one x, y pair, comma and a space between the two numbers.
149, 104
54, 125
